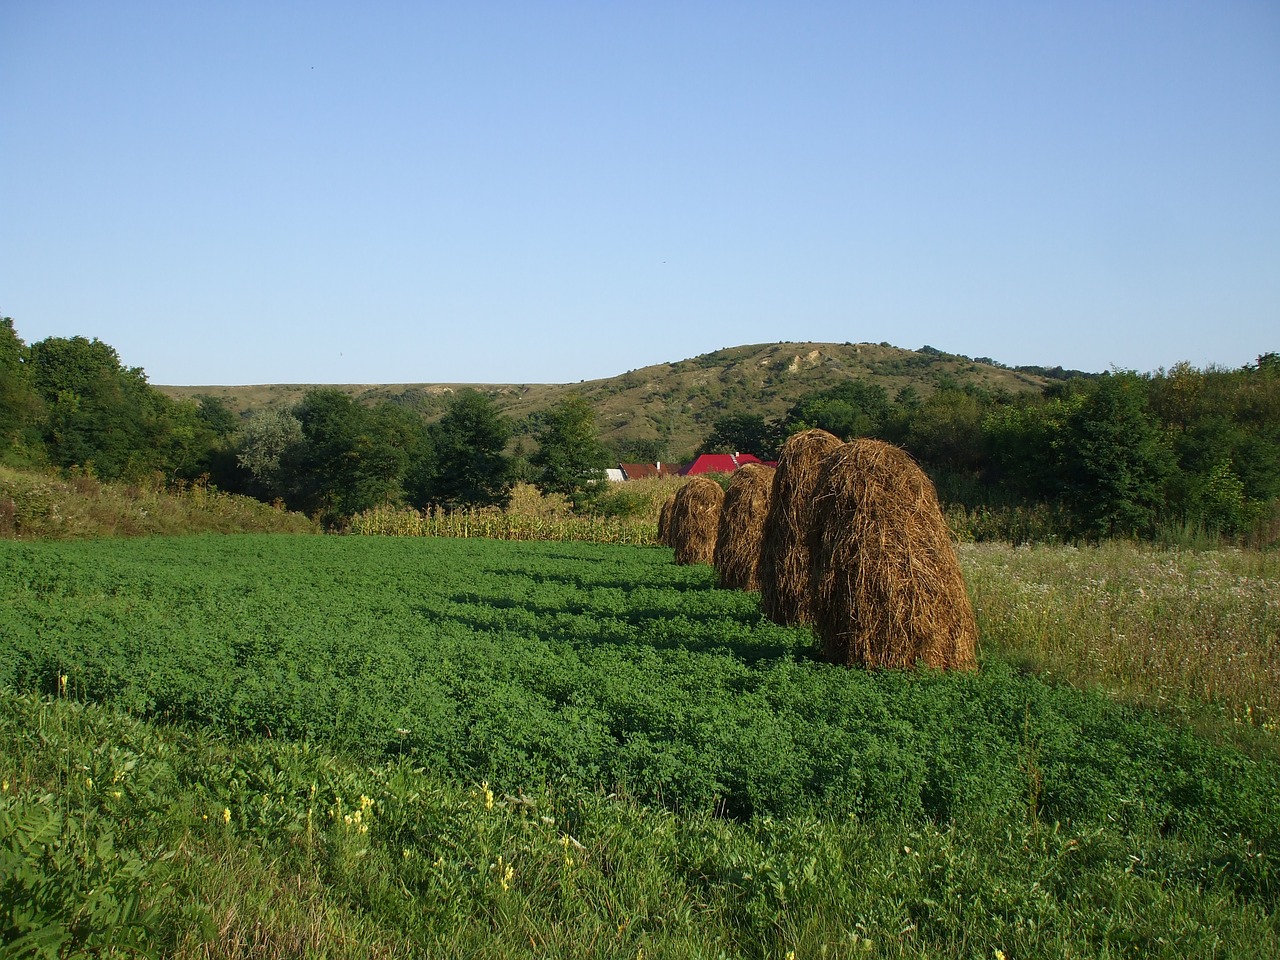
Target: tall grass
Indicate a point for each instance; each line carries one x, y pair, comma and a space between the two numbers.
623, 514
500, 525
48, 506
1163, 628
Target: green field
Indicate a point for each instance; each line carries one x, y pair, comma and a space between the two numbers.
388, 746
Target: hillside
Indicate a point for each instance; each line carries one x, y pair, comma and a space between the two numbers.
680, 400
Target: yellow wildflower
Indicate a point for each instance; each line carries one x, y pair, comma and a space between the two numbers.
505, 874
226, 815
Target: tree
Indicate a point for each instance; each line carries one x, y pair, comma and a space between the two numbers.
1092, 445
215, 430
643, 450
98, 413
742, 432
570, 459
852, 409
1223, 427
471, 467
1112, 458
945, 430
907, 399
264, 445
216, 416
1219, 501
348, 460
1021, 441
19, 404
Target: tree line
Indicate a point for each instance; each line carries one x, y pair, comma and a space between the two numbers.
1118, 454
69, 403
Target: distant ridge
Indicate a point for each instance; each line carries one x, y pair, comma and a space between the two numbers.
680, 400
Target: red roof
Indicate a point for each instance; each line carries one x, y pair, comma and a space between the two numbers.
719, 463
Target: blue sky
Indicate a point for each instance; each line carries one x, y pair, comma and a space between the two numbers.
548, 192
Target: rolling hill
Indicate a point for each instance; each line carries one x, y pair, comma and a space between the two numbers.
679, 401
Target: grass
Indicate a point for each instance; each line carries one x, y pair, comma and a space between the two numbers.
1005, 813
1193, 632
624, 513
237, 848
48, 506
529, 662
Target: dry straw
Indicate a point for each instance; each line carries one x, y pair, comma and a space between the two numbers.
785, 596
889, 588
695, 519
746, 503
664, 520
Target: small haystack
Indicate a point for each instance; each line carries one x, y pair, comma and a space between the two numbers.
889, 589
746, 504
664, 520
784, 542
695, 519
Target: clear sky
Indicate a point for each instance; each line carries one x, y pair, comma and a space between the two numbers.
247, 192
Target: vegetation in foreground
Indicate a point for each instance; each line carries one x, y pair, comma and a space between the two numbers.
569, 749
152, 839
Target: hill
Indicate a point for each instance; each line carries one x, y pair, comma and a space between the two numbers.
679, 401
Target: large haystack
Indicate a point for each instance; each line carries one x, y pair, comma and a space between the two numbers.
746, 503
889, 588
695, 519
784, 543
664, 520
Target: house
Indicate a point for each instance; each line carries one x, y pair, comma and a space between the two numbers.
707, 463
720, 463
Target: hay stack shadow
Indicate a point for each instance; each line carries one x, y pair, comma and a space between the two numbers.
695, 521
889, 592
746, 503
785, 594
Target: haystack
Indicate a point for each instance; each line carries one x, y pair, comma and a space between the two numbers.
784, 542
746, 503
889, 588
664, 520
695, 520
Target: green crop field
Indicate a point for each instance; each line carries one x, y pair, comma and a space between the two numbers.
383, 746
